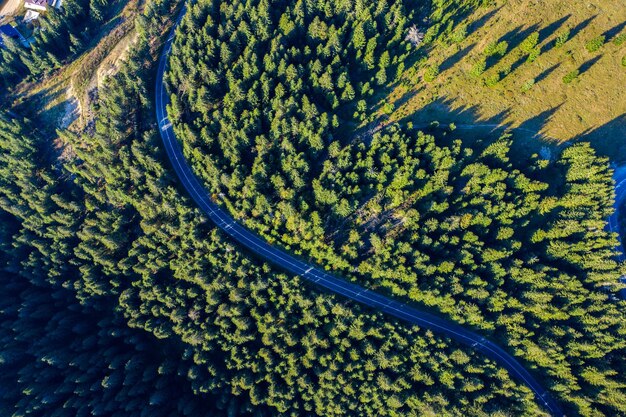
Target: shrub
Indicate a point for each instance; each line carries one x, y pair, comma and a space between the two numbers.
534, 54
571, 76
624, 61
596, 43
619, 40
562, 38
491, 49
528, 85
459, 34
502, 48
431, 33
529, 43
494, 48
399, 71
388, 108
431, 73
478, 68
492, 80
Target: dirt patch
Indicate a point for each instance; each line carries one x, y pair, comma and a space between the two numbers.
71, 111
107, 68
9, 7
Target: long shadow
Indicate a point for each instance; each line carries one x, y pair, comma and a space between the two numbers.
406, 97
552, 27
609, 139
538, 122
544, 74
477, 131
454, 59
518, 63
460, 13
549, 30
483, 19
543, 34
576, 29
492, 60
515, 36
614, 31
588, 64
441, 112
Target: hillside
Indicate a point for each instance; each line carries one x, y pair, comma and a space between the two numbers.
478, 231
362, 139
519, 92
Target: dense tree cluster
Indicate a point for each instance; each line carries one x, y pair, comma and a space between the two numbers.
269, 83
249, 337
514, 246
102, 236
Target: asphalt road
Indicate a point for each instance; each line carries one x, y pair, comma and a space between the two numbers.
316, 274
619, 176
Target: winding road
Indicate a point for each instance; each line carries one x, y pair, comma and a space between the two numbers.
316, 274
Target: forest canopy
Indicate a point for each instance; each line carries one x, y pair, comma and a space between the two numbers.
121, 298
267, 97
100, 238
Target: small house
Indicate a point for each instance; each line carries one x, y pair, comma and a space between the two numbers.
38, 5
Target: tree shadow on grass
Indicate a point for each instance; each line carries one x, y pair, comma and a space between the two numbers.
454, 59
545, 73
609, 139
518, 63
552, 27
483, 20
588, 64
576, 29
406, 97
477, 131
535, 124
459, 13
614, 31
549, 30
515, 36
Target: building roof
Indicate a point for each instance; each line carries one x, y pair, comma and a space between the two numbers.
36, 3
11, 32
30, 15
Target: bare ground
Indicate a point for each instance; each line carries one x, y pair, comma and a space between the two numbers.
9, 7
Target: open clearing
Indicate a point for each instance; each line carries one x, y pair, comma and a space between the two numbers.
592, 107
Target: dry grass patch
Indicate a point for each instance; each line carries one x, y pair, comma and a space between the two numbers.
526, 86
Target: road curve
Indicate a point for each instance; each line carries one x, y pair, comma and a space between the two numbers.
315, 274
